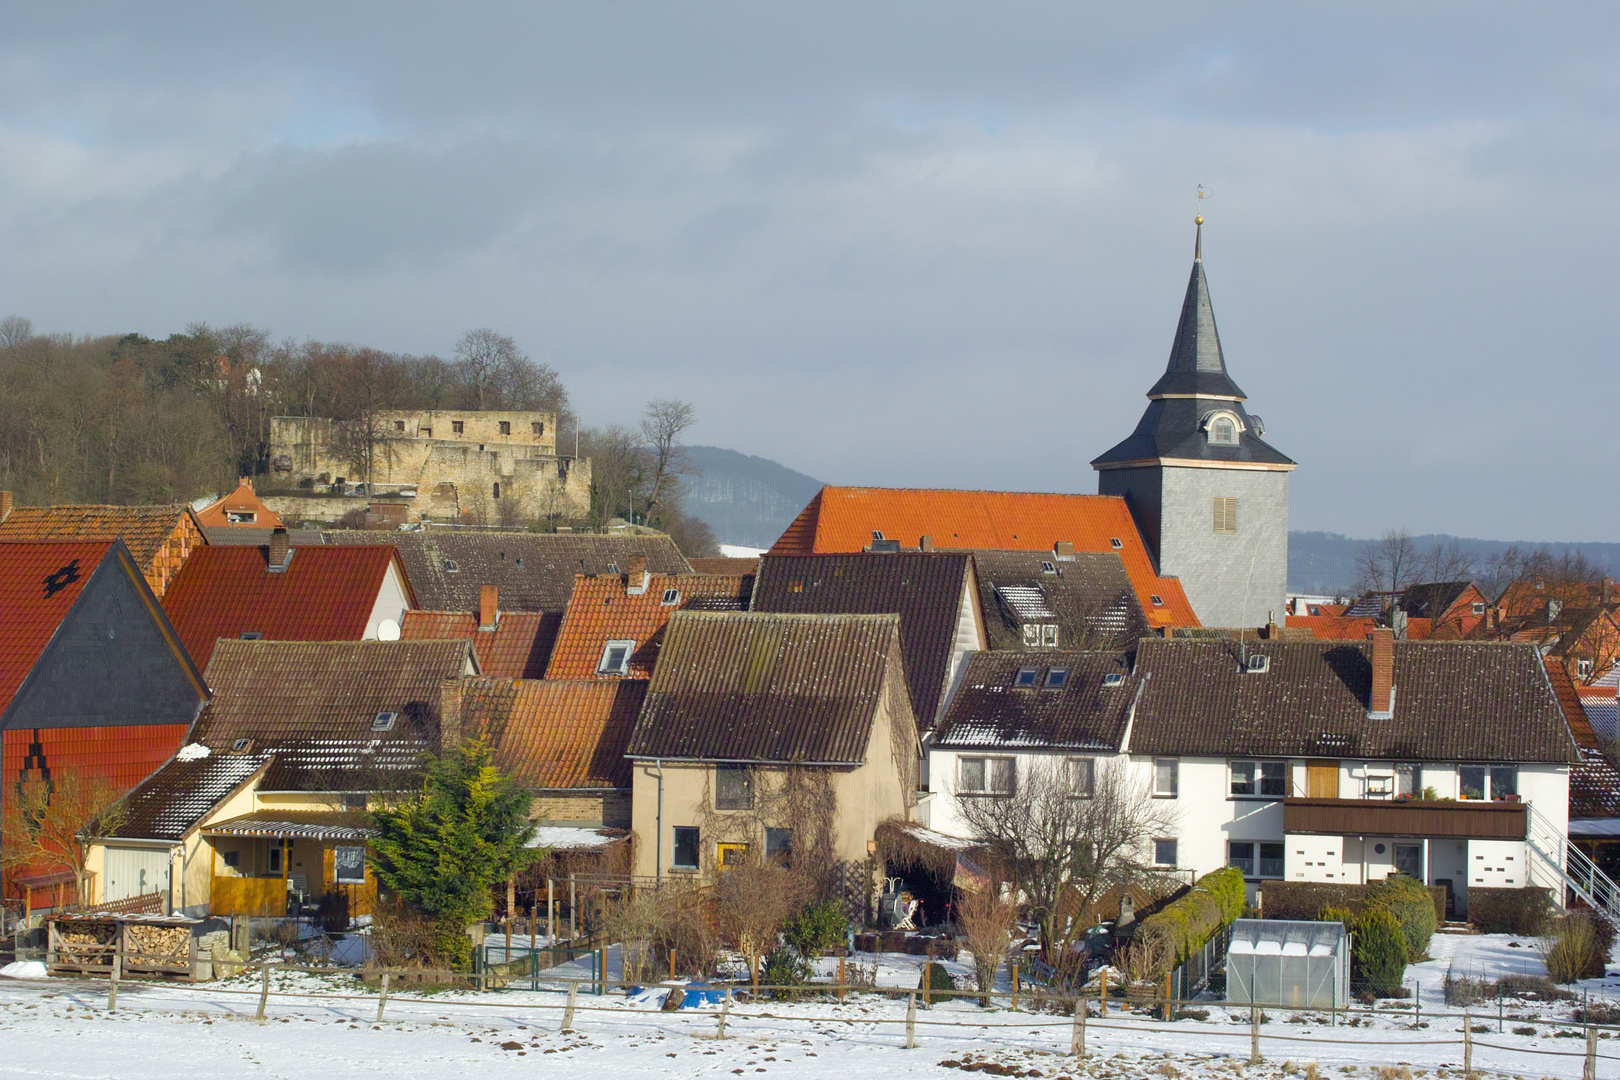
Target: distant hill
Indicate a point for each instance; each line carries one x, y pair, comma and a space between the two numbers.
1324, 562
746, 500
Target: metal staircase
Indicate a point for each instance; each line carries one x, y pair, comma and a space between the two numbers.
1578, 873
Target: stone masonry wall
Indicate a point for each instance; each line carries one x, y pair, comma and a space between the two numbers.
1232, 579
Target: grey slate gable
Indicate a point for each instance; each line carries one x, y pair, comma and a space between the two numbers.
114, 661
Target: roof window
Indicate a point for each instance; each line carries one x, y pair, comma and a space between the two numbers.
451, 567
1057, 678
616, 658
671, 597
613, 568
384, 721
1113, 678
1158, 601
1223, 428
1257, 664
877, 534
1026, 677
1115, 542
252, 635
796, 585
1047, 568
241, 746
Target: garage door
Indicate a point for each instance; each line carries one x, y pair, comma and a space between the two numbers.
133, 871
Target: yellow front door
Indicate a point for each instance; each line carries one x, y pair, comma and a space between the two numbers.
1322, 779
732, 855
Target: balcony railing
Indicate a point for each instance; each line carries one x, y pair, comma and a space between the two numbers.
1410, 817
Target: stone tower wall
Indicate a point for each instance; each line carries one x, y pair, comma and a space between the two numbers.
1232, 579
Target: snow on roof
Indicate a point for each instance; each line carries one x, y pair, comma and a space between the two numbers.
570, 838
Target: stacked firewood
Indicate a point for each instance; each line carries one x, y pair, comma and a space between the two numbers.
156, 941
86, 934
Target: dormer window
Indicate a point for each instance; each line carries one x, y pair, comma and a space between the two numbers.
616, 658
1048, 568
671, 597
1223, 429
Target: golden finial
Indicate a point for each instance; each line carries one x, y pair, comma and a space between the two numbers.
1199, 220
1198, 240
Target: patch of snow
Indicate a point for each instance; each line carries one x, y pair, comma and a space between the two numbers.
192, 752
737, 551
569, 838
24, 969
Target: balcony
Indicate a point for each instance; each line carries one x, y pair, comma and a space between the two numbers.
1394, 818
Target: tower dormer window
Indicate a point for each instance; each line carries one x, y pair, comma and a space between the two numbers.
1223, 429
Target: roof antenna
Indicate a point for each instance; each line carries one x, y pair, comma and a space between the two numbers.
1198, 239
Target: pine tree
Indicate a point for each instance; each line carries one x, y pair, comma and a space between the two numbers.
442, 848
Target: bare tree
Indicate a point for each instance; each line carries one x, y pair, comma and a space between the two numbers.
56, 822
618, 464
662, 425
985, 920
1387, 564
499, 375
480, 354
754, 902
14, 330
1054, 840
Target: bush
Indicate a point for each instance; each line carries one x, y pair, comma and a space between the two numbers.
935, 979
333, 912
1378, 962
1338, 915
785, 967
1509, 911
1570, 948
817, 927
1410, 902
1182, 927
1303, 899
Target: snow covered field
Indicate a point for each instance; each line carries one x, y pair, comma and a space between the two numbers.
61, 1028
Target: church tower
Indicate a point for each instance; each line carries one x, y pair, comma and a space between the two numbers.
1210, 496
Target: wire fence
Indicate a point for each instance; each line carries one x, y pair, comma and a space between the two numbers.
1083, 1024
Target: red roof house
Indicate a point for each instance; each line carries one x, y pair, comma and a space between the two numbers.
615, 622
849, 519
282, 593
241, 507
508, 644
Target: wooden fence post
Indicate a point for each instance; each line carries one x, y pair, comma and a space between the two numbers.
551, 911
928, 984
1077, 1034
1589, 1070
725, 1009
1015, 986
1102, 993
573, 910
840, 978
568, 1012
911, 1020
1254, 1035
382, 999
1468, 1047
117, 969
264, 988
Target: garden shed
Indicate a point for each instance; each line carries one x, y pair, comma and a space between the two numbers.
1288, 964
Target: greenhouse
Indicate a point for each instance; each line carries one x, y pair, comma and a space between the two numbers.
1286, 964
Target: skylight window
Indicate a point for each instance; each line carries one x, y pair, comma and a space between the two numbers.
384, 721
241, 746
1115, 542
877, 534
1026, 677
252, 635
671, 597
1047, 568
1057, 678
1258, 665
616, 658
1158, 601
613, 568
451, 566
1113, 678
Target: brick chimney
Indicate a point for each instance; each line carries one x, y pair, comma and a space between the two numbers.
636, 576
449, 713
1381, 700
489, 609
280, 549
925, 544
1063, 549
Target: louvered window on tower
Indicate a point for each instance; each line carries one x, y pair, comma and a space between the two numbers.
1225, 514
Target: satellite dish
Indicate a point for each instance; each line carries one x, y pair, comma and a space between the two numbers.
388, 630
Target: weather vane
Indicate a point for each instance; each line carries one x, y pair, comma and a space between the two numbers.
1203, 193
1198, 240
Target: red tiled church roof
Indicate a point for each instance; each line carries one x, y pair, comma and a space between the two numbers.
844, 519
324, 594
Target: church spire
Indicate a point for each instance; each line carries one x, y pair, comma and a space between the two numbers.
1197, 367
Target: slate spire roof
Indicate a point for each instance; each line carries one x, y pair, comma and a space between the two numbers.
1195, 384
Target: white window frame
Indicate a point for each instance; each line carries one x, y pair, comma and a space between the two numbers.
1175, 851
989, 765
1082, 776
1257, 777
1173, 765
623, 667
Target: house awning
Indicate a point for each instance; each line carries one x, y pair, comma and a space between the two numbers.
333, 826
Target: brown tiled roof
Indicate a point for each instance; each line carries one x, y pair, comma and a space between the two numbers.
517, 648
312, 703
1594, 784
556, 734
146, 530
924, 588
603, 609
250, 536
171, 802
725, 566
242, 500
744, 686
1454, 701
1087, 596
317, 825
1084, 713
534, 571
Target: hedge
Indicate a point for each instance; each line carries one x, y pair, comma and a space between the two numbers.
1378, 954
1410, 902
1214, 901
1509, 911
1305, 899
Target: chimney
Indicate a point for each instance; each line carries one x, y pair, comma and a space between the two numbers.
280, 549
1381, 701
5, 505
925, 544
449, 713
1063, 549
636, 578
489, 610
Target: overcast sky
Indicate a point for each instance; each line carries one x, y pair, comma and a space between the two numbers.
931, 244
